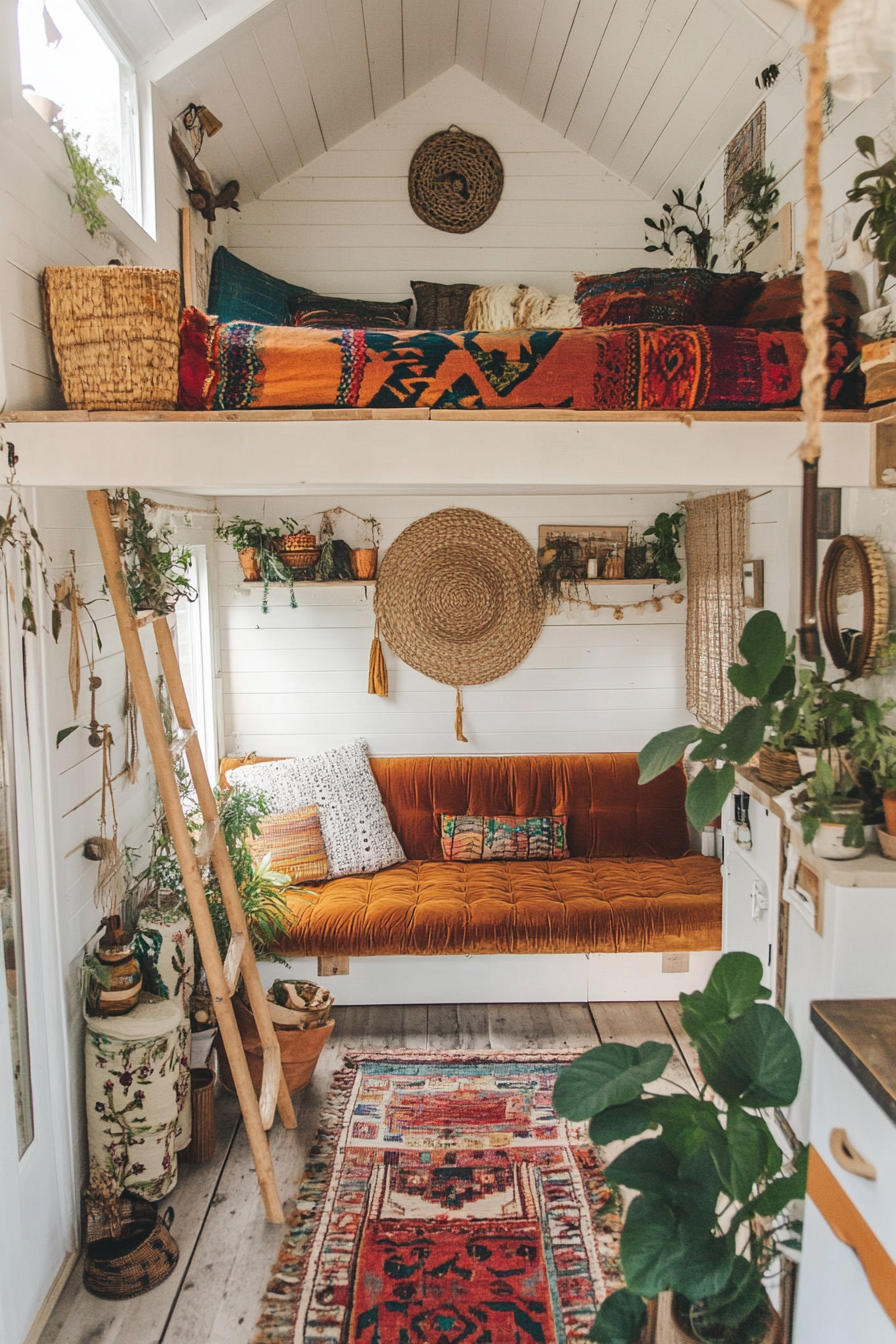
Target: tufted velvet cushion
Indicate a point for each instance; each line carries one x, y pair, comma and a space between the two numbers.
569, 905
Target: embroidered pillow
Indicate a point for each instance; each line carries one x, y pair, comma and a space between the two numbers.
441, 307
674, 297
470, 839
318, 310
295, 844
778, 305
239, 292
355, 825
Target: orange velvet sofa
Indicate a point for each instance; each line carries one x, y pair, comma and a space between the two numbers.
629, 885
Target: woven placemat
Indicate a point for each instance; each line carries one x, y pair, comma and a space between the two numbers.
455, 181
458, 597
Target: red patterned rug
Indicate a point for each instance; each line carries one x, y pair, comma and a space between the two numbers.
444, 1201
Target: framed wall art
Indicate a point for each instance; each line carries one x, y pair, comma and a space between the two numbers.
745, 150
754, 587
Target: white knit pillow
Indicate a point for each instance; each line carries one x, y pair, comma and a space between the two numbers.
492, 308
355, 825
535, 308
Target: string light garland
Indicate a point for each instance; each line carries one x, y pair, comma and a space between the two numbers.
618, 609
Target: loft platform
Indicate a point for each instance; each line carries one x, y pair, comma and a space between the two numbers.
401, 451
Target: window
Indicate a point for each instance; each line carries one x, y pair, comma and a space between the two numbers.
74, 76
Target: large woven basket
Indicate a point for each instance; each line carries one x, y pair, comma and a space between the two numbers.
129, 1250
115, 336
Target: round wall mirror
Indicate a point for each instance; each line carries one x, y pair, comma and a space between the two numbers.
854, 603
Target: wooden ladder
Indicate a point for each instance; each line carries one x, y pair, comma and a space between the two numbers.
223, 977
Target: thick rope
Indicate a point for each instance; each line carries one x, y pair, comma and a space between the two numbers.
815, 294
459, 716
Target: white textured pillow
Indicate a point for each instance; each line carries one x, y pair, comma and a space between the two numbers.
355, 825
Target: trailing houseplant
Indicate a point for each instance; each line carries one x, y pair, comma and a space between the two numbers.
19, 537
91, 178
255, 544
832, 802
665, 531
711, 1184
156, 570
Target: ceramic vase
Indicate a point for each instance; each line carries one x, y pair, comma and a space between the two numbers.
116, 951
363, 562
248, 558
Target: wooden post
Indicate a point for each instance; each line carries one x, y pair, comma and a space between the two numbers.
171, 800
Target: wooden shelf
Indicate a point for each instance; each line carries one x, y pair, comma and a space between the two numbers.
318, 583
618, 583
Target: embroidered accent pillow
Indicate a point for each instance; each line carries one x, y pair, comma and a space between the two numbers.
295, 844
676, 297
355, 825
778, 305
441, 307
471, 839
319, 310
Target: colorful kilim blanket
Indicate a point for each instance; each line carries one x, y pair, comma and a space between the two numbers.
444, 1201
243, 366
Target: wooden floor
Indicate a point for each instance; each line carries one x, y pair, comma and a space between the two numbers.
226, 1247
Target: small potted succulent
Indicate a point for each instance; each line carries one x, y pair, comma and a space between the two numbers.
713, 1187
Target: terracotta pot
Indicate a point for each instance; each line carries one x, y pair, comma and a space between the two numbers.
887, 842
363, 562
299, 1050
890, 810
672, 1325
248, 558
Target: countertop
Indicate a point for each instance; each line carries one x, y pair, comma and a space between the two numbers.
862, 1033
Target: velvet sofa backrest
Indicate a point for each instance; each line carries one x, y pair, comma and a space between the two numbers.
610, 814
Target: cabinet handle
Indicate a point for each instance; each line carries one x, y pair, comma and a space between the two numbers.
846, 1156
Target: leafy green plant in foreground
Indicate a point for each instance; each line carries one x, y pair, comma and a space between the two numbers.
711, 1187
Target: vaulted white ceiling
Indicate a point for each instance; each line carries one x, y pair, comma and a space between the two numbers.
651, 88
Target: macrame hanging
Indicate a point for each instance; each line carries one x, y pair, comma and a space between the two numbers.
110, 877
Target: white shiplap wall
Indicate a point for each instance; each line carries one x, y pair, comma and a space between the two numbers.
344, 225
840, 162
296, 681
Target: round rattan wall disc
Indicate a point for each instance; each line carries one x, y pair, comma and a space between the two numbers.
458, 597
455, 181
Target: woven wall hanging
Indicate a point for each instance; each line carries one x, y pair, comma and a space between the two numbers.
458, 598
455, 181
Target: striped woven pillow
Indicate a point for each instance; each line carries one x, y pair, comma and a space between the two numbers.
295, 844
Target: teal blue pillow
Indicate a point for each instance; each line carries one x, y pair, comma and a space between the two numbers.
239, 292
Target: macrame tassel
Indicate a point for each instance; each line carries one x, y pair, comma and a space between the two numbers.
459, 717
378, 674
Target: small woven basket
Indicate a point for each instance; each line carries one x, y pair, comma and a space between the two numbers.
129, 1249
115, 336
781, 769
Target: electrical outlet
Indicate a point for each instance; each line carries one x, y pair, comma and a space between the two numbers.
676, 963
332, 965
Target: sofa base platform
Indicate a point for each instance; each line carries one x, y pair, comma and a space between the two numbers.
575, 977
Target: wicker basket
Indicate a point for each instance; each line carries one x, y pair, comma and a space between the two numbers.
779, 768
115, 337
131, 1258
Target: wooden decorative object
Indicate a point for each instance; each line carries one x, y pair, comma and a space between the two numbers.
854, 568
455, 181
745, 150
754, 583
201, 193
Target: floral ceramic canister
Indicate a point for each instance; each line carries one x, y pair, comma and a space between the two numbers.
164, 947
132, 1073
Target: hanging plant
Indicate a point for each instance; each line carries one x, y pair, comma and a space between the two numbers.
156, 570
91, 181
19, 537
877, 187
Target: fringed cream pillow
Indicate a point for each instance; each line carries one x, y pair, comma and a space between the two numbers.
534, 308
516, 307
492, 308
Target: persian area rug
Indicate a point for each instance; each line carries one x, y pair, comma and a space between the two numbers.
444, 1201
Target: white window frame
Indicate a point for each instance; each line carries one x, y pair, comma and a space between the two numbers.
194, 637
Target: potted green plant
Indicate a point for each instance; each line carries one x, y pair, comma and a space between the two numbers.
156, 569
873, 751
248, 537
831, 815
666, 533
671, 229
712, 1184
875, 187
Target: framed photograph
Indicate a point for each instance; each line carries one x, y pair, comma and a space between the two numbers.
828, 516
754, 595
575, 545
